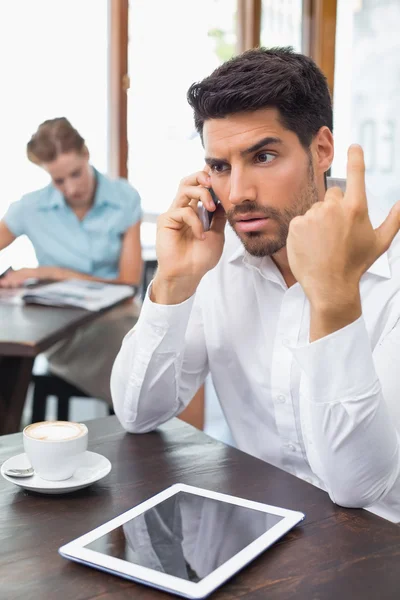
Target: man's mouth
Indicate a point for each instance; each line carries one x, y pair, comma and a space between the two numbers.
250, 222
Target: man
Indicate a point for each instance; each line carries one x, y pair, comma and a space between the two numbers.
297, 317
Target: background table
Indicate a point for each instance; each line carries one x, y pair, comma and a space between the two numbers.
25, 332
334, 554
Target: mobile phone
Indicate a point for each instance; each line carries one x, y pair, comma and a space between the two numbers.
205, 215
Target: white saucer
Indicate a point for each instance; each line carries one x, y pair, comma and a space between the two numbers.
93, 467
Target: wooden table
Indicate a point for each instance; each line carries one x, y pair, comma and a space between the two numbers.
25, 332
334, 554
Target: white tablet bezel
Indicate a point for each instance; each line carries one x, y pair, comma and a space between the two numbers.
76, 551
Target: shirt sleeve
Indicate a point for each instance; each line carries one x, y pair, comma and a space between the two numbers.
350, 416
161, 365
132, 203
14, 218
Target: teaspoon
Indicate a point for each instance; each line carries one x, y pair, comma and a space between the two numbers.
20, 472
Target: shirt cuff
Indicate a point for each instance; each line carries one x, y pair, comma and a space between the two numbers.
167, 322
338, 366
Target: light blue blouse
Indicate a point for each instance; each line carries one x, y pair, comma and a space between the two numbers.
91, 246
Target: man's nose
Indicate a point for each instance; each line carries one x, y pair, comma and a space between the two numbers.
241, 189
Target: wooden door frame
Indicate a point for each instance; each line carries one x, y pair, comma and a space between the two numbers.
118, 86
319, 38
248, 25
319, 35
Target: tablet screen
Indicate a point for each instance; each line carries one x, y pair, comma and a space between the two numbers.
186, 535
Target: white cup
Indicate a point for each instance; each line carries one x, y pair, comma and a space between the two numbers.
55, 448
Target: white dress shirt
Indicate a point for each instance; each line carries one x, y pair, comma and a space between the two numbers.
326, 411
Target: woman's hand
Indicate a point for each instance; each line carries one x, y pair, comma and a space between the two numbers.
16, 279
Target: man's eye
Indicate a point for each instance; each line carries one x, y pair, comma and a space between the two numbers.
219, 168
265, 157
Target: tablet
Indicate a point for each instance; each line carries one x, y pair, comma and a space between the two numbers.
185, 540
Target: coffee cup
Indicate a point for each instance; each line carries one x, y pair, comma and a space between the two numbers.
55, 448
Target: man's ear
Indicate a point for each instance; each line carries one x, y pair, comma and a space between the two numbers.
322, 148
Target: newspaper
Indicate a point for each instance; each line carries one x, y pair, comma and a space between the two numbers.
90, 295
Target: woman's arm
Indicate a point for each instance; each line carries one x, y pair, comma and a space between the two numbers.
130, 262
130, 265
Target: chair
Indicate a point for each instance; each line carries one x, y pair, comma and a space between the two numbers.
47, 384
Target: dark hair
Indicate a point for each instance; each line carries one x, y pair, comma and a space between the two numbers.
54, 137
261, 78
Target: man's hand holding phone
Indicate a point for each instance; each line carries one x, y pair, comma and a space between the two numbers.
185, 251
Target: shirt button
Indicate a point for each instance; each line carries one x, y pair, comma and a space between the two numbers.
290, 447
281, 399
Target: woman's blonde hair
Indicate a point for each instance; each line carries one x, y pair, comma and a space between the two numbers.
54, 137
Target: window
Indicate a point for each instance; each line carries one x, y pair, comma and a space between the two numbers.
367, 93
281, 23
172, 44
54, 63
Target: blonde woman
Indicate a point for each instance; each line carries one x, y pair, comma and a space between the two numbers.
82, 225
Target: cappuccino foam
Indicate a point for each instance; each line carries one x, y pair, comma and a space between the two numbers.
55, 431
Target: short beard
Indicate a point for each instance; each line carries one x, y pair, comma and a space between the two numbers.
255, 242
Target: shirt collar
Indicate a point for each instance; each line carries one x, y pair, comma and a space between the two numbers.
380, 267
104, 194
54, 199
265, 265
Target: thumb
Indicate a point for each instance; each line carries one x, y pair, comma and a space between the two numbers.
386, 232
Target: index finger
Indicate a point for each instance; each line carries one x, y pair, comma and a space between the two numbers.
355, 183
194, 187
198, 178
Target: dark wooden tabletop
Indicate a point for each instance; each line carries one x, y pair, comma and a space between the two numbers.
28, 330
334, 554
25, 332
